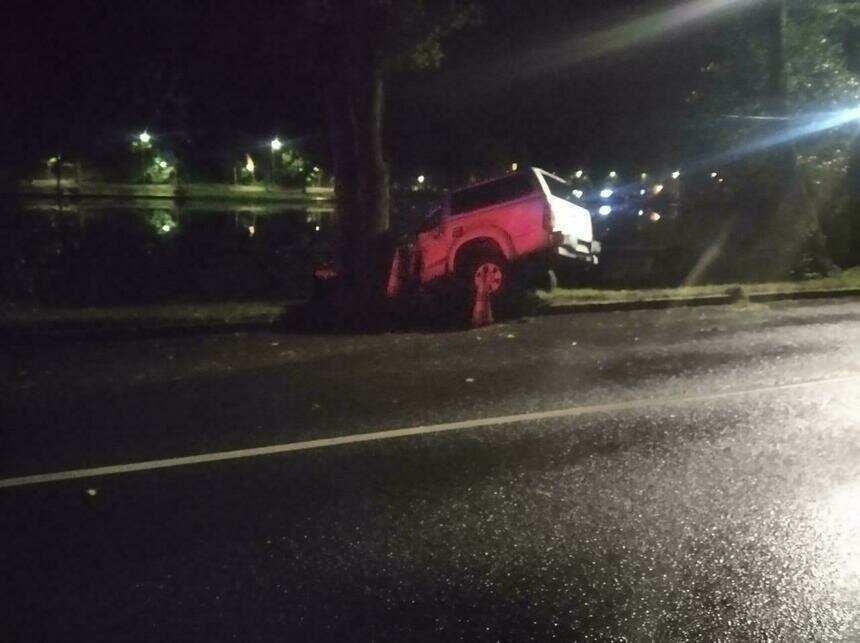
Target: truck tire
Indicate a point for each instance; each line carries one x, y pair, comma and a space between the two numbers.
489, 264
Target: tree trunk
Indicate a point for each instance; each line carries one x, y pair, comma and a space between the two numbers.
355, 104
793, 229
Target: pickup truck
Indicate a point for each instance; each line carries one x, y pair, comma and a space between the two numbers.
482, 231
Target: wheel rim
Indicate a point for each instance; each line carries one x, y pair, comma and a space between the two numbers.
489, 276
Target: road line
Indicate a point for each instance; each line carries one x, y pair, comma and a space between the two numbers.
167, 463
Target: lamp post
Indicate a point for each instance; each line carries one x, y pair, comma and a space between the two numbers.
276, 146
142, 143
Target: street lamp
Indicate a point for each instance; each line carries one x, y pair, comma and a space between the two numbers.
276, 146
141, 143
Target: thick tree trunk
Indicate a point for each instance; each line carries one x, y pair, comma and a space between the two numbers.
373, 158
355, 107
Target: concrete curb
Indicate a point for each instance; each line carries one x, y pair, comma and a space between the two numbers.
704, 300
56, 330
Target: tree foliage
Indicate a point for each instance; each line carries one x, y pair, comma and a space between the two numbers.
779, 71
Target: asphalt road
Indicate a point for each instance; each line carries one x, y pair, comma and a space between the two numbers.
690, 474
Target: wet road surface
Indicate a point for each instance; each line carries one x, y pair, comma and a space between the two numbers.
702, 483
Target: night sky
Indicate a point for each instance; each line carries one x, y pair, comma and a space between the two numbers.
213, 79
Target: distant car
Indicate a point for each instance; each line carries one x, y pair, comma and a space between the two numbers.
483, 230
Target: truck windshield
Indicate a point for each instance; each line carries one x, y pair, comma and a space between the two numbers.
560, 189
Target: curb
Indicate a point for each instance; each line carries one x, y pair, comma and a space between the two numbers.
704, 300
58, 330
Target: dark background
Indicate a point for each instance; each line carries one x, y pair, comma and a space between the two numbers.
215, 79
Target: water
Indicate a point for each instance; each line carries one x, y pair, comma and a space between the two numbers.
103, 252
98, 252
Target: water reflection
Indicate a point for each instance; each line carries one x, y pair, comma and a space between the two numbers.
101, 252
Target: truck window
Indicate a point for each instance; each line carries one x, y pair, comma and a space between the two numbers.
560, 189
482, 196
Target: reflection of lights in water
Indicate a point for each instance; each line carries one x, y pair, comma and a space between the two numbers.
162, 221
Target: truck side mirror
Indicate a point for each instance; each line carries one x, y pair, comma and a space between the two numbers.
432, 220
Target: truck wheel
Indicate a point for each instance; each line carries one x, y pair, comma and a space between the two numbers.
488, 267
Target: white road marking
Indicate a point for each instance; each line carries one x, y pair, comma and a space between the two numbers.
238, 454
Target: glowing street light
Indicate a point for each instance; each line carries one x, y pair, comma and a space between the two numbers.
607, 193
142, 143
515, 167
613, 174
579, 174
276, 146
714, 175
605, 210
421, 179
676, 175
658, 188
